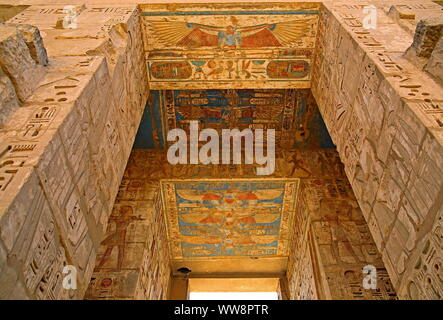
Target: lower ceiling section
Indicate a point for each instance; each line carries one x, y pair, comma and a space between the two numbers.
226, 226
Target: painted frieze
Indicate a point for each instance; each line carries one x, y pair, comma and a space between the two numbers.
230, 46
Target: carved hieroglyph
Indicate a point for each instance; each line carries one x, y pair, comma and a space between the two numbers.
240, 46
384, 113
57, 184
133, 258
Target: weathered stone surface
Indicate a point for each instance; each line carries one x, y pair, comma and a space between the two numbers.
30, 236
135, 242
7, 11
435, 62
428, 33
8, 99
17, 62
344, 242
55, 147
35, 44
381, 137
408, 15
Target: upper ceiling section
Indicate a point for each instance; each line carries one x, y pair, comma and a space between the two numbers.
229, 46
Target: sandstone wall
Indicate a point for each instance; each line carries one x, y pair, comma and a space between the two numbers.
385, 116
22, 61
301, 278
65, 148
342, 242
331, 246
133, 259
7, 11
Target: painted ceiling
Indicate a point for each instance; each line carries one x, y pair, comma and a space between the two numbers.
293, 114
229, 46
229, 218
231, 66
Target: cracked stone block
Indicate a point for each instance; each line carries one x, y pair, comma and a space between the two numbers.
427, 34
17, 63
35, 44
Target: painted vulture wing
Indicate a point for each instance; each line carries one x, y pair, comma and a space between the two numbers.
191, 35
281, 34
194, 35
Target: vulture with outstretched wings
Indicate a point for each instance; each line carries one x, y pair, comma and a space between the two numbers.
264, 195
193, 35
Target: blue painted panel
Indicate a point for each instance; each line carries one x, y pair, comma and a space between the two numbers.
292, 113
